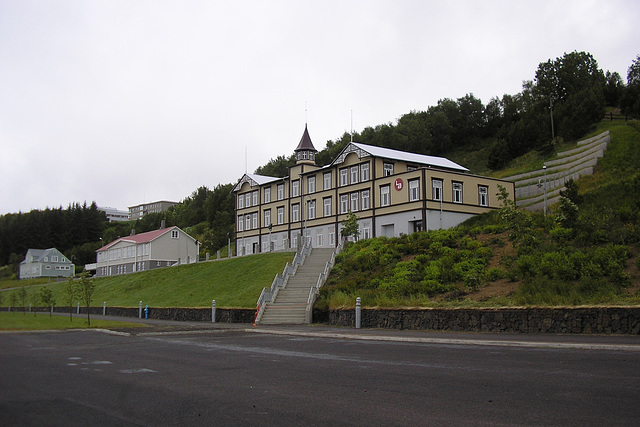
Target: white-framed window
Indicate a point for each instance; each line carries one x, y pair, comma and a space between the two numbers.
247, 200
326, 202
254, 220
387, 169
436, 187
267, 217
354, 174
312, 209
54, 258
385, 196
364, 172
295, 212
254, 196
414, 190
280, 214
366, 232
457, 192
247, 222
327, 180
332, 238
175, 234
280, 191
344, 177
365, 200
295, 188
267, 195
354, 201
483, 195
311, 184
344, 203
240, 223
319, 238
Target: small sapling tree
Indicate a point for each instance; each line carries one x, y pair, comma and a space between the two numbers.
70, 296
85, 288
46, 296
23, 296
350, 226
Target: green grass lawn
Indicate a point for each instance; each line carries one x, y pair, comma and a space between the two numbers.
41, 321
233, 283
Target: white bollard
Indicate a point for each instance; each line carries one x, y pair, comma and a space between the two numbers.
104, 308
358, 313
78, 309
213, 311
140, 310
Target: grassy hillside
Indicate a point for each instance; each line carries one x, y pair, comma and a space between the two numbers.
582, 253
232, 283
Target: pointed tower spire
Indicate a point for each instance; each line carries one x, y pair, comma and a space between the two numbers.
305, 152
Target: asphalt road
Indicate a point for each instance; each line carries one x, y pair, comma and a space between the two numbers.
234, 377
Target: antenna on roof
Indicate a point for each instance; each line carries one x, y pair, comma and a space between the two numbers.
246, 161
305, 113
352, 125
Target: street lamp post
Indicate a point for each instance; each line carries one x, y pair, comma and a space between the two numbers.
544, 168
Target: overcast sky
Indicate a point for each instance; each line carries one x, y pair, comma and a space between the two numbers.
125, 102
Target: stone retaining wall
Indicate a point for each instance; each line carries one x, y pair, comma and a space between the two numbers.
581, 320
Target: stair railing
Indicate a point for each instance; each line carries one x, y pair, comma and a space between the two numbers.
322, 278
280, 281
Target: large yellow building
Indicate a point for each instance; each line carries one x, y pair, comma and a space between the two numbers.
392, 193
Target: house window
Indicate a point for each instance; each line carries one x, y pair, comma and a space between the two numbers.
388, 169
295, 212
436, 186
280, 191
281, 215
457, 192
354, 202
344, 176
54, 259
332, 238
364, 172
327, 180
483, 193
366, 233
175, 234
327, 206
295, 188
365, 200
267, 217
254, 195
414, 190
319, 238
254, 220
344, 203
247, 222
312, 209
354, 174
267, 195
247, 200
385, 196
311, 184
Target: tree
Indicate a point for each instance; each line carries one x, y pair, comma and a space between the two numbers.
23, 296
350, 226
70, 296
85, 288
46, 296
630, 102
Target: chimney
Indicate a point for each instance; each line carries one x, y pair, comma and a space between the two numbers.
162, 225
133, 232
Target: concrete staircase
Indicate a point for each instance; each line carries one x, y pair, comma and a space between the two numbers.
290, 304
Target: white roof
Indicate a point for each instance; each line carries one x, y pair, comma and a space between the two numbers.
254, 179
421, 159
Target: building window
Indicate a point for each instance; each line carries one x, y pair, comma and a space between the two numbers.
344, 203
295, 188
326, 202
267, 217
240, 223
354, 174
280, 191
436, 185
254, 220
247, 200
365, 200
312, 209
54, 259
247, 222
281, 215
319, 238
344, 176
483, 193
388, 169
267, 195
327, 180
385, 196
414, 190
254, 195
366, 233
332, 238
354, 202
457, 192
311, 184
364, 172
174, 234
295, 212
